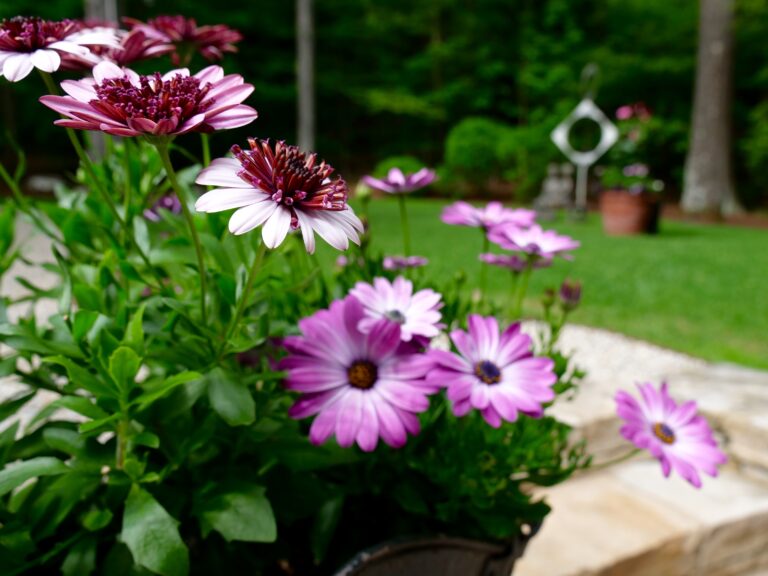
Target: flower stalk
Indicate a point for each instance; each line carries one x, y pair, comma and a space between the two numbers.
162, 150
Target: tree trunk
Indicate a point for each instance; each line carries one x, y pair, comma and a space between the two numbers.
708, 186
305, 45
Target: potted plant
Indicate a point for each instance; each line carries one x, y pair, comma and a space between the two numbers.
631, 200
210, 399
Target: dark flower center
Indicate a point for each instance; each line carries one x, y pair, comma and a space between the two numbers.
27, 34
362, 374
180, 97
664, 433
291, 177
488, 372
395, 316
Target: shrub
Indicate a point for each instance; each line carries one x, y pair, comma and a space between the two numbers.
470, 149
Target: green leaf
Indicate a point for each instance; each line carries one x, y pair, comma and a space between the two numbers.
152, 535
165, 387
324, 527
96, 518
78, 404
64, 440
141, 234
81, 378
16, 474
81, 559
7, 438
94, 426
231, 400
88, 324
124, 364
11, 406
241, 513
65, 300
134, 332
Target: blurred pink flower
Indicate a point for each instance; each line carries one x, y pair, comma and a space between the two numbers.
512, 261
398, 183
118, 101
27, 43
417, 314
533, 241
624, 112
211, 41
675, 434
490, 215
403, 262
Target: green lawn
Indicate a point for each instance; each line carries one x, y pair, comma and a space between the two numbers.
700, 289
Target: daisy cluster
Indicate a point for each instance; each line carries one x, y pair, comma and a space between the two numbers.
366, 369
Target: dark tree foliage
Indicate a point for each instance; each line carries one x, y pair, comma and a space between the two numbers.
394, 76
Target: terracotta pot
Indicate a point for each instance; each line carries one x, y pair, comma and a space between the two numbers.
625, 213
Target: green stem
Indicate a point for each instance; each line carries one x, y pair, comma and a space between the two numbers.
206, 146
404, 226
85, 160
122, 442
613, 461
525, 276
127, 189
21, 201
162, 150
245, 296
484, 267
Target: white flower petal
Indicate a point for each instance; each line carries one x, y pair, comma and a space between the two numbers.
180, 71
221, 172
307, 233
105, 70
228, 198
17, 67
250, 217
79, 90
70, 48
276, 228
46, 60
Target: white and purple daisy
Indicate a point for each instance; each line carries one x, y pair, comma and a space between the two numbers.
31, 42
675, 434
283, 189
360, 386
118, 101
417, 314
398, 183
533, 241
494, 373
490, 215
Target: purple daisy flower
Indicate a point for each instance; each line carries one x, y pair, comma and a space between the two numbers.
490, 215
398, 183
496, 374
120, 102
417, 314
362, 387
284, 189
168, 202
533, 241
403, 262
675, 434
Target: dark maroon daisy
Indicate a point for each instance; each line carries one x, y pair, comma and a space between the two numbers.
212, 42
31, 42
120, 102
282, 188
